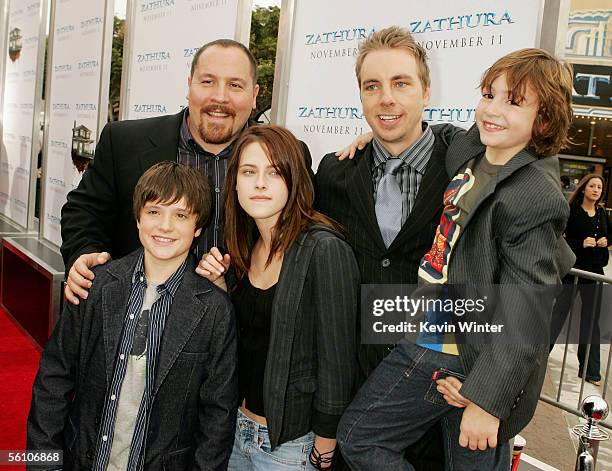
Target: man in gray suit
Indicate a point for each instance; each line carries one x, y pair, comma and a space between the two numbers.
503, 217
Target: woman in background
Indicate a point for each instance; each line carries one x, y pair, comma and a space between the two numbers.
587, 233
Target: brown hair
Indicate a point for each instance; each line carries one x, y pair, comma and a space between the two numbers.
577, 196
551, 80
394, 37
286, 154
168, 182
226, 43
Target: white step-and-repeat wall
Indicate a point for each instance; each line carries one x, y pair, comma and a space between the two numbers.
21, 57
162, 39
76, 100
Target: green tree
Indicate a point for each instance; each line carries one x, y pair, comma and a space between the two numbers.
264, 34
116, 64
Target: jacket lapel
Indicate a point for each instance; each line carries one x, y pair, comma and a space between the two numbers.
185, 314
162, 143
115, 297
284, 311
463, 149
359, 185
285, 305
289, 289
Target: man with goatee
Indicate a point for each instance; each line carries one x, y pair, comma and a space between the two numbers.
97, 221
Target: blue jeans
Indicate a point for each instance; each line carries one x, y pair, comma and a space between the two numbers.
252, 450
395, 407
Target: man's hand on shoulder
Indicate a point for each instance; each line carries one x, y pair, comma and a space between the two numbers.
80, 276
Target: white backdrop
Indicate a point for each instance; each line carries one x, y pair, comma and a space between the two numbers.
18, 110
74, 96
162, 38
462, 39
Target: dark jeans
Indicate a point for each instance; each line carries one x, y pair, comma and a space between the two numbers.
428, 453
589, 291
394, 408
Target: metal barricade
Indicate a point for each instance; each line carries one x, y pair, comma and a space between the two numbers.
594, 410
576, 408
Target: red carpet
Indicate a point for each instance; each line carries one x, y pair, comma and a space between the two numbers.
19, 357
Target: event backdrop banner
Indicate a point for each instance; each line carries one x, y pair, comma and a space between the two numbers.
163, 36
20, 58
76, 72
462, 38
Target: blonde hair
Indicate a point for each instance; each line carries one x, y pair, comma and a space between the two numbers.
394, 37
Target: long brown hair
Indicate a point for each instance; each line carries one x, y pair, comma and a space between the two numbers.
286, 154
577, 197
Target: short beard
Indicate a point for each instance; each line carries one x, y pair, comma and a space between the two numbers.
212, 134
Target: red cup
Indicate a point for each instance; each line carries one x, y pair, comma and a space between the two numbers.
517, 449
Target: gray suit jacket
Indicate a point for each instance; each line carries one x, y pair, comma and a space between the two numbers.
195, 396
512, 237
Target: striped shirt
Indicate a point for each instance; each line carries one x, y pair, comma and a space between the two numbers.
215, 168
157, 320
411, 171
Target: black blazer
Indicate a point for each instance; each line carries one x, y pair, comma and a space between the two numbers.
98, 214
195, 398
311, 363
345, 192
579, 227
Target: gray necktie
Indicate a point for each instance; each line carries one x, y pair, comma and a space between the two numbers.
389, 202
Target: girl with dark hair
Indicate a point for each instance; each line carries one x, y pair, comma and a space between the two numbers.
295, 285
587, 233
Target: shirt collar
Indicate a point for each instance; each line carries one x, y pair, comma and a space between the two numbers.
170, 285
415, 156
188, 142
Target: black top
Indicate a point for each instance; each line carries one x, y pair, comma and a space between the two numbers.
580, 226
214, 166
254, 313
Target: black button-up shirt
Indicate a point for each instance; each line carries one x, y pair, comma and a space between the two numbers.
215, 168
